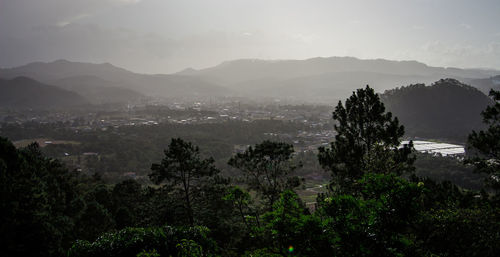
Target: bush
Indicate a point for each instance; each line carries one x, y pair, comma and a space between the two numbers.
134, 241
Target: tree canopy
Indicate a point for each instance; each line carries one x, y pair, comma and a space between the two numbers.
47, 210
368, 140
487, 143
183, 167
266, 168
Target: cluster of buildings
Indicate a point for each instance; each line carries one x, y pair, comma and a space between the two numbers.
175, 112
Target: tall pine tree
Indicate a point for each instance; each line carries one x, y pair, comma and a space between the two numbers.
487, 143
368, 141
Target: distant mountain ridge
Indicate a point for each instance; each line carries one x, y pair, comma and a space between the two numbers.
325, 79
47, 72
486, 84
99, 91
151, 85
318, 80
250, 69
23, 92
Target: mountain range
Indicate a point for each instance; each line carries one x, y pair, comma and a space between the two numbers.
486, 84
24, 92
317, 80
77, 75
324, 79
446, 109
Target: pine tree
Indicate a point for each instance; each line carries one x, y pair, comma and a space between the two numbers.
368, 141
183, 168
487, 143
266, 168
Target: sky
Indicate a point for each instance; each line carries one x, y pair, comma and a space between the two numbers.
166, 36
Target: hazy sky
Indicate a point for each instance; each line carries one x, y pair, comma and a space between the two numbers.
162, 36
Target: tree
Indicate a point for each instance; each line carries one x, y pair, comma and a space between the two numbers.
487, 143
155, 241
240, 200
368, 141
38, 202
266, 167
290, 228
128, 198
376, 223
94, 221
183, 168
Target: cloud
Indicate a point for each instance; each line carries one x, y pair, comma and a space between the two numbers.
72, 19
92, 43
465, 26
461, 50
149, 52
30, 13
78, 9
127, 1
168, 35
460, 55
305, 38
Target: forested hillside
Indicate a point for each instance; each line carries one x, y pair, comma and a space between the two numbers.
374, 204
249, 128
447, 109
62, 72
23, 92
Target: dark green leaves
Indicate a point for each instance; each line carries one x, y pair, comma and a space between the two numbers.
182, 162
367, 140
184, 170
487, 143
266, 167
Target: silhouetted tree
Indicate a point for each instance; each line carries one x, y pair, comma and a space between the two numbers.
367, 141
94, 221
183, 168
128, 200
266, 167
290, 224
38, 203
377, 222
240, 200
487, 143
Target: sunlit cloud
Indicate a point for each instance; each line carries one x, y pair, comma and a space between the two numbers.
72, 19
192, 33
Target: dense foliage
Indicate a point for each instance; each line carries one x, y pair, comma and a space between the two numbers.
47, 210
487, 143
367, 141
266, 168
164, 241
39, 202
135, 148
447, 109
182, 168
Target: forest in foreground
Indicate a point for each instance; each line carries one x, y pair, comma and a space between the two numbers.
374, 206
